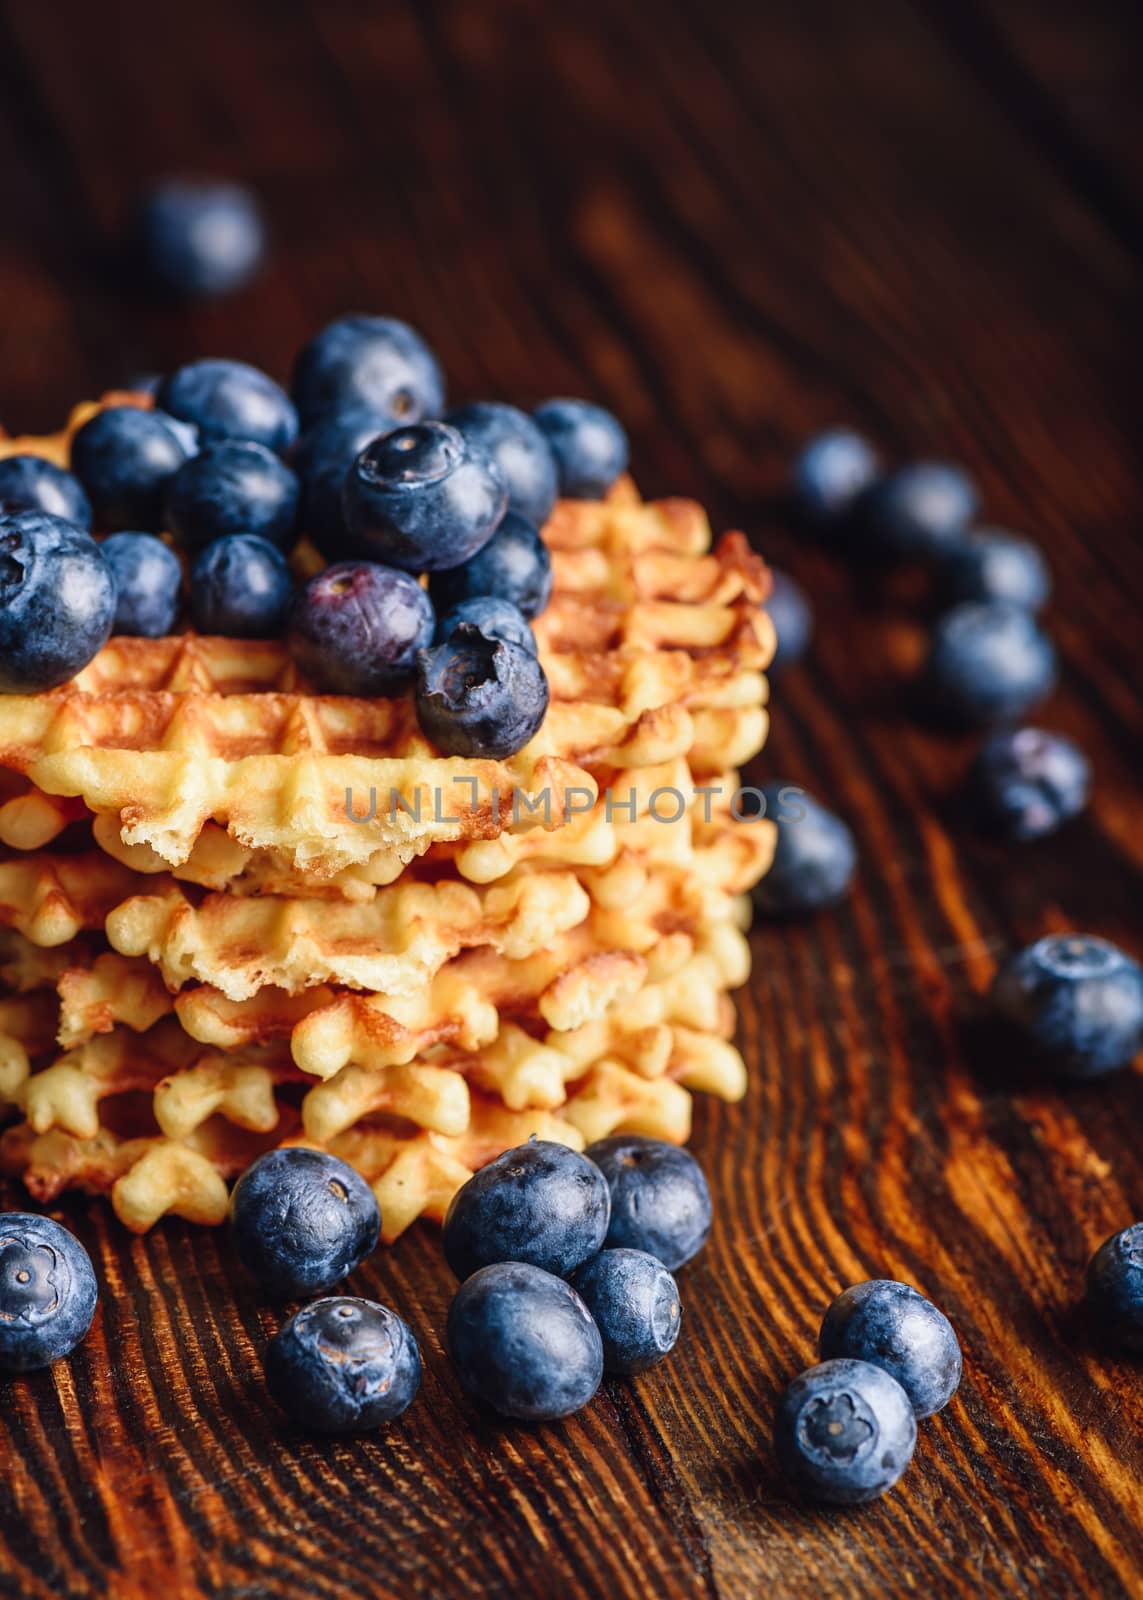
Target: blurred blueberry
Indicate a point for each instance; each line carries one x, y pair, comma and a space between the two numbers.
519, 449
636, 1306
376, 362
514, 565
541, 1203
523, 1342
1074, 1003
231, 400
324, 457
814, 858
892, 1326
302, 1220
660, 1201
233, 486
57, 601
29, 483
844, 1432
1027, 782
47, 1292
496, 619
479, 697
919, 512
125, 457
589, 445
1115, 1288
992, 565
356, 628
198, 237
240, 587
830, 473
147, 582
987, 663
792, 618
343, 1366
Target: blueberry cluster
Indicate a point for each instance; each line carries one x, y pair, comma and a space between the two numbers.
227, 470
846, 1429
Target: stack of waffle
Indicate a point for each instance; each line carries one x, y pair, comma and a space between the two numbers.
236, 914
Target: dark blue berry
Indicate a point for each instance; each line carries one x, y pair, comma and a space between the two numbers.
993, 565
660, 1202
523, 1342
844, 1432
479, 697
919, 512
830, 473
57, 601
1115, 1288
368, 361
541, 1203
147, 582
343, 1366
233, 487
589, 445
231, 400
47, 1292
814, 858
240, 587
892, 1326
521, 452
1074, 1003
987, 663
1027, 783
302, 1220
29, 483
125, 457
197, 238
356, 628
422, 498
496, 619
636, 1306
324, 457
792, 618
514, 565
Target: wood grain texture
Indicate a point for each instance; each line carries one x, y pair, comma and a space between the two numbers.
734, 224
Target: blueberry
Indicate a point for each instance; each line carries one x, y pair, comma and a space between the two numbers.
231, 400
343, 1366
422, 498
47, 1292
1026, 783
496, 619
479, 697
302, 1220
830, 473
844, 1432
541, 1203
792, 618
523, 1342
147, 582
233, 487
1115, 1287
356, 628
635, 1303
919, 512
323, 459
814, 858
514, 565
29, 483
124, 457
368, 361
197, 238
993, 565
1074, 1002
660, 1202
521, 452
57, 601
892, 1326
240, 587
987, 663
589, 445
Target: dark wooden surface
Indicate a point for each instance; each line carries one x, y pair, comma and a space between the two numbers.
733, 223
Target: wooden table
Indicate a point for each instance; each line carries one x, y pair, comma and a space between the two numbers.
734, 224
